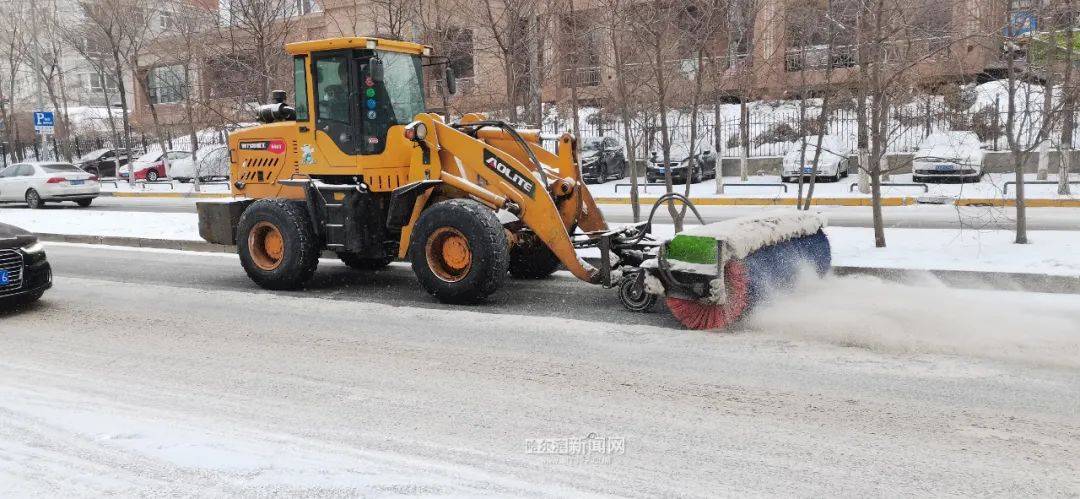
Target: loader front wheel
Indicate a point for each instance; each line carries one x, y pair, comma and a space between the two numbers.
459, 251
277, 244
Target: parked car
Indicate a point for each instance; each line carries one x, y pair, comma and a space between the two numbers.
101, 162
25, 274
833, 162
42, 182
704, 167
213, 163
151, 166
603, 159
949, 156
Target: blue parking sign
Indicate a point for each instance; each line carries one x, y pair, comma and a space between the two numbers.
43, 120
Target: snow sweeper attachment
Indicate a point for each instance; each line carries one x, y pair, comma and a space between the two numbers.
713, 275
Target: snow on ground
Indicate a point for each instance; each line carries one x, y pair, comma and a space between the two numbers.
1050, 252
992, 186
175, 226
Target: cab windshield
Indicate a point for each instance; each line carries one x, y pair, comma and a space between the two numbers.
404, 86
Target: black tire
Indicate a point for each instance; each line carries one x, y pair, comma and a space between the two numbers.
633, 296
152, 175
84, 203
531, 259
300, 247
33, 200
366, 264
488, 255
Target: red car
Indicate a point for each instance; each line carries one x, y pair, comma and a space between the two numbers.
151, 166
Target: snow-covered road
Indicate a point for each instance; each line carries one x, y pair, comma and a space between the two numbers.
151, 373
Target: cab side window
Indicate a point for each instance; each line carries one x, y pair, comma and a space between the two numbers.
333, 97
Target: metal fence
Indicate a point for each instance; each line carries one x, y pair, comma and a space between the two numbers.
42, 148
774, 133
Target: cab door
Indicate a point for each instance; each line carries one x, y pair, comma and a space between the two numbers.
330, 136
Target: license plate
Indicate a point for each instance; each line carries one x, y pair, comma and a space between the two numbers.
661, 169
77, 182
808, 169
944, 168
4, 278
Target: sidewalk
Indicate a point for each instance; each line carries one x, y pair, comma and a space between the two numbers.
1054, 253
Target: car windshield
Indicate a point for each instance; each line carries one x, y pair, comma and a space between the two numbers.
150, 157
591, 144
94, 154
59, 168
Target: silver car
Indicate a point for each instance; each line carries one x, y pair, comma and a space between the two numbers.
42, 182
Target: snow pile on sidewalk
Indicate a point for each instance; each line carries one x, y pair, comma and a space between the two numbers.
1050, 252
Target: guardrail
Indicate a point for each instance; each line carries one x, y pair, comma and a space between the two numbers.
660, 184
926, 188
157, 182
110, 180
1038, 182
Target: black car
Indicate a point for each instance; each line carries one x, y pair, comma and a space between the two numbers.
602, 159
704, 167
101, 162
25, 273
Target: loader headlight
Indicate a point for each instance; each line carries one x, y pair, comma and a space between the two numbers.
416, 131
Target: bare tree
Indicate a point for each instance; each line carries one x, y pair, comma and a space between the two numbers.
12, 43
256, 31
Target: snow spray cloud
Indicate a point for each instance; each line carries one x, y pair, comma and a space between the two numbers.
926, 317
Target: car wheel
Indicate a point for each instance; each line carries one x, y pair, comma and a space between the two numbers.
84, 203
152, 175
33, 200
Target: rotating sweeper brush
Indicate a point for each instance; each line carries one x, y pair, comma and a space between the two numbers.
713, 275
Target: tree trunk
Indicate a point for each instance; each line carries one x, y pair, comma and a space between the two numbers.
744, 138
718, 138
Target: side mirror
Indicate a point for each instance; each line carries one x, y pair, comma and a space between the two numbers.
375, 69
451, 80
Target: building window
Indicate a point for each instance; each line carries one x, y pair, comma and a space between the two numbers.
97, 82
166, 21
167, 84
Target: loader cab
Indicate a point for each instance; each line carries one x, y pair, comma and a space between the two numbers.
360, 94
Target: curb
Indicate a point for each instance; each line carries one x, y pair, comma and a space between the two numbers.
1011, 203
957, 278
173, 195
901, 201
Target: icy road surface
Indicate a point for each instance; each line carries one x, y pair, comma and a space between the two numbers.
163, 373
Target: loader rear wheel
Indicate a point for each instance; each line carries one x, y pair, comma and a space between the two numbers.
459, 251
531, 259
277, 244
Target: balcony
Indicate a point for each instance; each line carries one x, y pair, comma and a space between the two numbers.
580, 77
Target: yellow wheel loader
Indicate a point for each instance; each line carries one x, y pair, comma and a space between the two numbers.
359, 167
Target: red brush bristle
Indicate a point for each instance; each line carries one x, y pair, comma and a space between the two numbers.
697, 315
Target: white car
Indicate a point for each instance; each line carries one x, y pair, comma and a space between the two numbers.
949, 156
213, 163
42, 182
151, 166
833, 163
